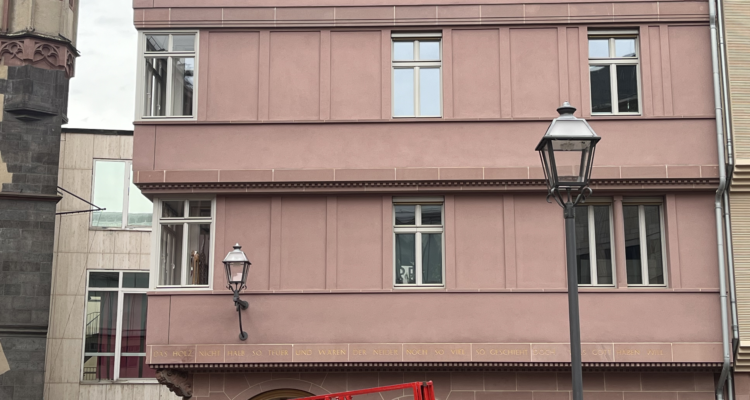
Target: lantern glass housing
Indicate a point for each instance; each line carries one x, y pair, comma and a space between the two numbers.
567, 150
236, 265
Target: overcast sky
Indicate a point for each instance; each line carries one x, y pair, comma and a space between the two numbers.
102, 93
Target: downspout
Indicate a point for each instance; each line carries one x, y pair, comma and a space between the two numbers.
718, 201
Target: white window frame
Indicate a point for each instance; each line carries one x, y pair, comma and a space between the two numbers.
416, 64
642, 237
158, 221
613, 62
141, 78
592, 244
125, 203
118, 339
418, 228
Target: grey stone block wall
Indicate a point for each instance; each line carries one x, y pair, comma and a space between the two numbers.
34, 108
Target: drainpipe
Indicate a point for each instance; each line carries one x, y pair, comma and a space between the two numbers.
718, 201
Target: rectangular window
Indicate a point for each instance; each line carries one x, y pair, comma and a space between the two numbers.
644, 244
418, 244
115, 330
185, 230
125, 207
614, 74
168, 74
416, 62
594, 245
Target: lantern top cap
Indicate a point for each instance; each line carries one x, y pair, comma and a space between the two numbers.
236, 255
568, 127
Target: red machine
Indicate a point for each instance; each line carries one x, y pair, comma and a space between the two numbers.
422, 391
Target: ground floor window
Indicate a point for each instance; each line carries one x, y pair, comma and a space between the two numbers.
418, 242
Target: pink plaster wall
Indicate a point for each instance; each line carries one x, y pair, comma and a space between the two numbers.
355, 75
540, 243
534, 72
359, 242
303, 242
294, 76
232, 68
698, 254
690, 93
480, 245
476, 73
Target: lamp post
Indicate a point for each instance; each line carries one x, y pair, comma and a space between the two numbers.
236, 265
567, 153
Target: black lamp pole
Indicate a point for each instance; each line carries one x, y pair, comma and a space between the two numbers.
567, 153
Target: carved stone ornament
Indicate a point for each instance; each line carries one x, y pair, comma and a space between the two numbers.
40, 52
178, 382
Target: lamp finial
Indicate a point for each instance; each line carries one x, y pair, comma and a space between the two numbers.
566, 108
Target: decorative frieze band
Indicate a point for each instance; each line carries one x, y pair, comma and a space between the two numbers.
38, 51
235, 354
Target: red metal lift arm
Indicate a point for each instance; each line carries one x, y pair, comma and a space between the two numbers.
422, 391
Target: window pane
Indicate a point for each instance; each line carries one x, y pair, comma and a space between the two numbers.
97, 368
403, 51
405, 256
429, 91
135, 367
101, 322
404, 214
173, 209
135, 280
199, 245
200, 208
183, 42
624, 47
598, 48
403, 92
155, 89
104, 279
432, 258
603, 245
170, 255
632, 245
157, 42
182, 85
140, 209
653, 245
109, 187
429, 50
431, 214
627, 88
134, 323
583, 256
601, 89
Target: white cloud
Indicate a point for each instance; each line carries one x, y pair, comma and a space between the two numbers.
102, 93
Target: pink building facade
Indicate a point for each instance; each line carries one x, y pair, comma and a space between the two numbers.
376, 162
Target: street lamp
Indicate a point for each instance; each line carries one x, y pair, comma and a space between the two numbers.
567, 153
236, 265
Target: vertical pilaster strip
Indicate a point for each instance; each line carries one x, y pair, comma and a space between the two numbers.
447, 73
203, 75
275, 259
574, 67
657, 88
387, 242
666, 69
325, 74
583, 59
331, 241
385, 59
645, 63
264, 74
509, 233
673, 241
505, 84
562, 62
449, 229
621, 271
220, 244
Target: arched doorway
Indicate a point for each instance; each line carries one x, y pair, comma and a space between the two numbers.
281, 394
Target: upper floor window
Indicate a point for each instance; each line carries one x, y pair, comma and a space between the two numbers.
168, 74
594, 244
113, 189
115, 326
418, 240
644, 243
185, 232
614, 73
416, 62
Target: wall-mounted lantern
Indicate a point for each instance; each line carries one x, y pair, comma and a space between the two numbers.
236, 265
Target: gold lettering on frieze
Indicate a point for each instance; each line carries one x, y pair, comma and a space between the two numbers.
504, 352
209, 353
600, 352
159, 354
278, 352
359, 352
655, 352
439, 352
332, 352
235, 353
182, 353
628, 352
544, 352
385, 352
417, 352
256, 353
457, 352
303, 352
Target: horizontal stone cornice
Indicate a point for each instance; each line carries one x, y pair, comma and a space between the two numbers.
419, 15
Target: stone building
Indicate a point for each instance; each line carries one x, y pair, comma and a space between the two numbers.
37, 58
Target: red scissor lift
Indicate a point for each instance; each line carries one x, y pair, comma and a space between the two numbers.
422, 391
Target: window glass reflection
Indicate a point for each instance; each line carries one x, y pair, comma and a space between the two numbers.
429, 50
405, 214
429, 91
431, 214
157, 42
182, 89
632, 245
183, 42
403, 51
601, 89
598, 48
403, 92
432, 258
603, 241
405, 259
627, 88
625, 47
583, 254
653, 245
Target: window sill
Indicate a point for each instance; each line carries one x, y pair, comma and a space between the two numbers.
101, 228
